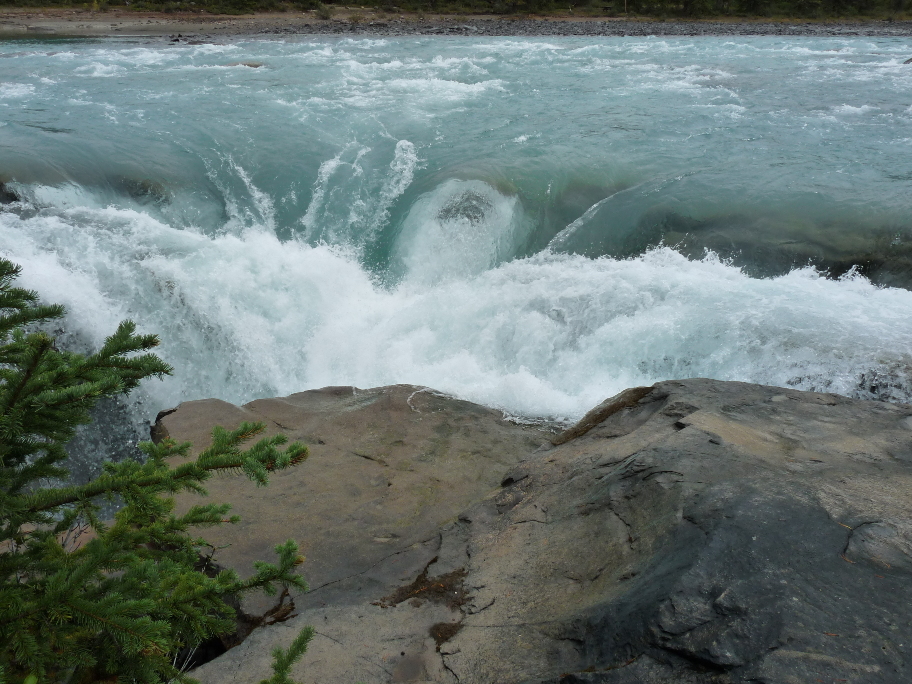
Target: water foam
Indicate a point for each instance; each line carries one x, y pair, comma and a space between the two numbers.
245, 316
460, 229
415, 171
15, 91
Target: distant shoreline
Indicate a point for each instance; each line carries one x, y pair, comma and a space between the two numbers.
68, 22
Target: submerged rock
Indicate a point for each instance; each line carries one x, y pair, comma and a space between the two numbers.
7, 195
767, 246
144, 190
696, 531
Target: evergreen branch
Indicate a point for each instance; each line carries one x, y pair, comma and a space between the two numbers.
152, 648
29, 316
12, 398
122, 605
282, 659
177, 479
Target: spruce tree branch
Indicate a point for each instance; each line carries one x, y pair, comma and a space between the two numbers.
171, 480
28, 372
118, 607
283, 659
153, 648
29, 315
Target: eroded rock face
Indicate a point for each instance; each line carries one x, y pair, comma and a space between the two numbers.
697, 531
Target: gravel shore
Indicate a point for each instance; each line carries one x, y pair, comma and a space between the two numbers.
63, 22
610, 27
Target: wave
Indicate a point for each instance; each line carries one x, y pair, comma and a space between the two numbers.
530, 224
249, 315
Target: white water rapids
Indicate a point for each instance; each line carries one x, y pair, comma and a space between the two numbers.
489, 218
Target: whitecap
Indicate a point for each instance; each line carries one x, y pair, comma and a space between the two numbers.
15, 91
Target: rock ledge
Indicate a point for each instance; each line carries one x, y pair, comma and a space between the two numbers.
697, 532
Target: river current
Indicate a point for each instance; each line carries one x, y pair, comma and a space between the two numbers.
530, 224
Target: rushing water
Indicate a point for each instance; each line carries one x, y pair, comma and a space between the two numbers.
533, 225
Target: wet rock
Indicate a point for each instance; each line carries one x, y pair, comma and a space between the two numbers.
696, 531
7, 195
145, 190
765, 245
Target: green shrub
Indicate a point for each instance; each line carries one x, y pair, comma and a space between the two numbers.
82, 600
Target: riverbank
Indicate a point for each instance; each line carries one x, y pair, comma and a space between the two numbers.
30, 22
695, 531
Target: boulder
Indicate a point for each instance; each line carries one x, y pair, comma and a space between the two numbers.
696, 531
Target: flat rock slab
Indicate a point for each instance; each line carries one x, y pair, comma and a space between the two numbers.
387, 468
696, 531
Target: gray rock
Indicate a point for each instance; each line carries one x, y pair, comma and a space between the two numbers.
704, 532
387, 467
7, 195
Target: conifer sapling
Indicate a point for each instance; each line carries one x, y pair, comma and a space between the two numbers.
119, 603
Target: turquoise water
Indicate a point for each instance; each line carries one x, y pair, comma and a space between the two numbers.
530, 224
